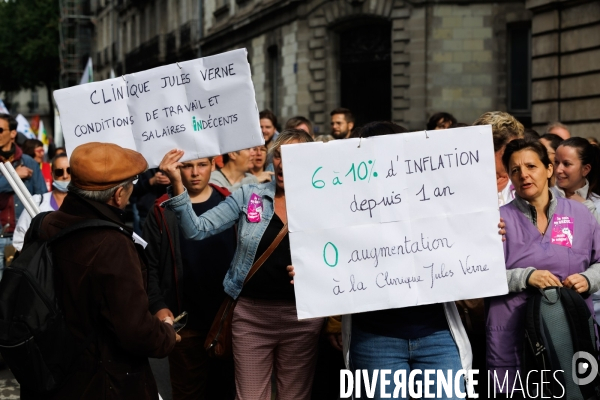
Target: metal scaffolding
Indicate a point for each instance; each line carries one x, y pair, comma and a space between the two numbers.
75, 40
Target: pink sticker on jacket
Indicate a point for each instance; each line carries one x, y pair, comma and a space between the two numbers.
562, 230
255, 208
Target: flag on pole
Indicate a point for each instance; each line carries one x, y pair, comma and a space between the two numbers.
24, 128
3, 108
43, 136
35, 124
58, 133
88, 73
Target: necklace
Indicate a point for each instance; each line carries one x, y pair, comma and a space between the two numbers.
543, 232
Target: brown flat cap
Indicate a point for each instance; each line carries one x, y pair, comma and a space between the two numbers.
101, 166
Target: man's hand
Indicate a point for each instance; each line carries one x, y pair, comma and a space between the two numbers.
159, 179
577, 282
24, 172
169, 320
542, 279
163, 313
170, 166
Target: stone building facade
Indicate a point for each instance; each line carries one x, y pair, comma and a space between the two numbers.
401, 60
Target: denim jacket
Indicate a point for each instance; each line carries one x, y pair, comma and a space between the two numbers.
233, 209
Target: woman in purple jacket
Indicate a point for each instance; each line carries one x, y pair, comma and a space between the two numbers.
550, 241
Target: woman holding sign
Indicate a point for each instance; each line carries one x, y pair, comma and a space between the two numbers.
550, 241
266, 331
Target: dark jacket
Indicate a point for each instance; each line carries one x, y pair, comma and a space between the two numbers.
165, 265
8, 198
100, 282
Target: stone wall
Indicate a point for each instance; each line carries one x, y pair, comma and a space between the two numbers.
566, 65
446, 55
458, 59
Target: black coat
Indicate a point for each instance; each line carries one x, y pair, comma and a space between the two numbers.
100, 281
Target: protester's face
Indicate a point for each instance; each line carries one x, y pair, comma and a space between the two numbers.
528, 174
260, 156
195, 174
7, 136
61, 169
569, 171
267, 128
278, 164
551, 151
39, 154
303, 127
443, 124
562, 132
501, 174
551, 154
244, 159
339, 127
122, 195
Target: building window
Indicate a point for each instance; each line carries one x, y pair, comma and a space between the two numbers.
35, 102
273, 82
133, 33
365, 49
519, 69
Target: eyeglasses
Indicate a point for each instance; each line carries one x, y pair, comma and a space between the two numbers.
4, 129
60, 172
135, 179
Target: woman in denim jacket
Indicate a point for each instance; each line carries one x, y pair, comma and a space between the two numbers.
266, 330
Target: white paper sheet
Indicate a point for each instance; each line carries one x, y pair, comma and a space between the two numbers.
205, 106
402, 220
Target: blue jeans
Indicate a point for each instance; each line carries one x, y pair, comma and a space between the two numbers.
437, 351
4, 241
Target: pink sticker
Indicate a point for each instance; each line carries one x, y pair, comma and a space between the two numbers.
255, 208
562, 231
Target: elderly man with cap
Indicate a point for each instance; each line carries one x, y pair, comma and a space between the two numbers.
101, 282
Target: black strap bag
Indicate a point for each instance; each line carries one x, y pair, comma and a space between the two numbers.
559, 326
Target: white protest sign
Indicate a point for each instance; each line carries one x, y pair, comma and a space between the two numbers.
204, 106
393, 221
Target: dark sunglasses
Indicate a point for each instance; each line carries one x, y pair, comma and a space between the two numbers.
3, 129
58, 172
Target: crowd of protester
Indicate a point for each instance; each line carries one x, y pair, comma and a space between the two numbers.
207, 222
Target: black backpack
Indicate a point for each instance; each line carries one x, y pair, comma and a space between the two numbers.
35, 341
557, 326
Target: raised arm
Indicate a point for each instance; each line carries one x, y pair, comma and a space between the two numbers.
214, 221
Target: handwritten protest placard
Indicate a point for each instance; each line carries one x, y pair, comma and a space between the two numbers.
393, 221
204, 106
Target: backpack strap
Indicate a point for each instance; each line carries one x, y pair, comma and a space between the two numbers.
33, 233
579, 317
532, 329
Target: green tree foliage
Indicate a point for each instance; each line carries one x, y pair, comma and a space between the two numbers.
29, 40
